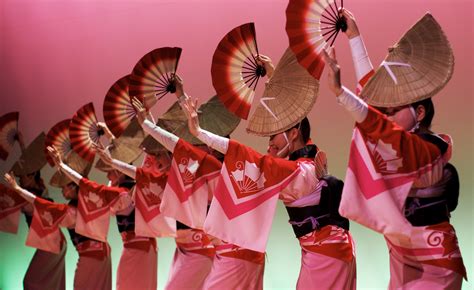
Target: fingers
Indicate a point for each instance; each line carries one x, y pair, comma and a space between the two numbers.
330, 62
332, 53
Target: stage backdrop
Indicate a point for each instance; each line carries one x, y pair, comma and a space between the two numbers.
55, 56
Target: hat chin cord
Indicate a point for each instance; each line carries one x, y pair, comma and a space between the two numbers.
287, 146
417, 123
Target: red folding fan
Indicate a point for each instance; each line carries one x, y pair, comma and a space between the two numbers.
312, 25
118, 109
235, 71
83, 131
151, 78
58, 136
8, 133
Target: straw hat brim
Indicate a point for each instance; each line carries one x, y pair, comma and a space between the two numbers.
127, 147
213, 117
288, 98
33, 158
422, 63
77, 163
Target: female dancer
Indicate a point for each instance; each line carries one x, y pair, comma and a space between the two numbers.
312, 200
416, 159
233, 267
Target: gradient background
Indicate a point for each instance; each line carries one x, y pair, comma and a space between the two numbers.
57, 55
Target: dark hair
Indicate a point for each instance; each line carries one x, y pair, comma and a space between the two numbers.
38, 188
304, 128
127, 182
429, 112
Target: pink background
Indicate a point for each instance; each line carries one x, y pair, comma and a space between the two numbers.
55, 56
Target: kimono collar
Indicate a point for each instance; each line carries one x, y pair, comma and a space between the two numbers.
308, 151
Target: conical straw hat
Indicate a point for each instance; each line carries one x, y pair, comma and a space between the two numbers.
77, 163
213, 117
417, 67
151, 146
32, 159
288, 97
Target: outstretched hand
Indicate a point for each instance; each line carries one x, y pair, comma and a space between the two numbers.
352, 29
139, 109
179, 85
334, 71
11, 181
189, 107
108, 133
55, 155
267, 64
103, 153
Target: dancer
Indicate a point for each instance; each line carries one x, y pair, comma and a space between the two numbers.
416, 186
310, 195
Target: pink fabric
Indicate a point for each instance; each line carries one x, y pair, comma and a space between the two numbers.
46, 271
327, 259
384, 162
405, 273
93, 273
323, 272
10, 207
245, 199
192, 175
93, 208
44, 231
429, 246
234, 273
188, 270
149, 220
138, 269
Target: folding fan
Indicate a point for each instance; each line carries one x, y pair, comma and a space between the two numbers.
118, 109
235, 70
83, 131
58, 136
151, 78
312, 25
8, 133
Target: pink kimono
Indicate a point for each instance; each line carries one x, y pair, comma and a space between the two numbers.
138, 265
246, 196
420, 256
386, 166
192, 260
93, 270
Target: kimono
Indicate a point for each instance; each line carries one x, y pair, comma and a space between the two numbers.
400, 184
93, 270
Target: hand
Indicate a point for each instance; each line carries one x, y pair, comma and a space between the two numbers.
189, 107
179, 84
103, 153
11, 181
334, 71
140, 109
106, 130
55, 155
352, 29
267, 64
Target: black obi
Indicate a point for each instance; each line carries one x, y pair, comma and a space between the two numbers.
425, 211
305, 220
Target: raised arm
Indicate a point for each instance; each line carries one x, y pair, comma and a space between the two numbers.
167, 139
121, 166
189, 107
363, 67
352, 103
10, 179
71, 173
